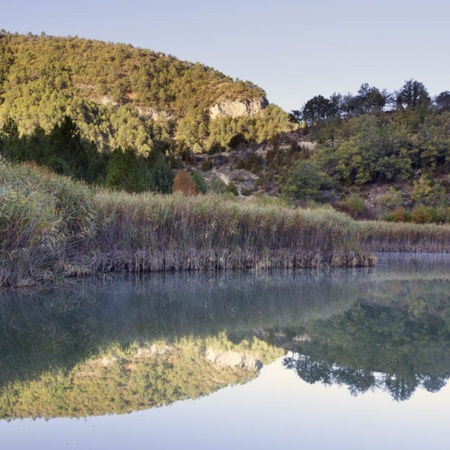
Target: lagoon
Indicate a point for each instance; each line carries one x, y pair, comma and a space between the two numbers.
351, 358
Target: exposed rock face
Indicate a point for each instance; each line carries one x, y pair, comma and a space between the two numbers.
150, 113
237, 108
233, 359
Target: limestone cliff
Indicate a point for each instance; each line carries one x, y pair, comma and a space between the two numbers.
237, 108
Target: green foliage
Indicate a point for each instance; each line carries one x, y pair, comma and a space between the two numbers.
353, 205
306, 182
126, 172
162, 176
226, 132
379, 137
200, 183
428, 193
374, 151
122, 96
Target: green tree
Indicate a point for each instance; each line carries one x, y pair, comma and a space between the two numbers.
412, 95
126, 172
162, 176
306, 182
200, 183
428, 193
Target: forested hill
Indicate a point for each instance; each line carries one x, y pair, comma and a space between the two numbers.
123, 96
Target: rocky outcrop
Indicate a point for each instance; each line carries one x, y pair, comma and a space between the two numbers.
153, 114
237, 108
233, 359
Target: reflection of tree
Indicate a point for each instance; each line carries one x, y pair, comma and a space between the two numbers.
433, 384
396, 340
311, 371
401, 388
360, 381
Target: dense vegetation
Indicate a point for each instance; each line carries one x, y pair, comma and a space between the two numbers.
121, 96
50, 224
401, 139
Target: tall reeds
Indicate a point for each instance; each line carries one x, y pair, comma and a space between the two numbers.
403, 237
45, 220
148, 232
51, 227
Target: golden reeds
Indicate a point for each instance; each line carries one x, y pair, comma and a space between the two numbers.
51, 226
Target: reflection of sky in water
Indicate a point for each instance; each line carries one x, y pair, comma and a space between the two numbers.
275, 411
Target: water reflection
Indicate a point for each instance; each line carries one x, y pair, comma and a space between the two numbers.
104, 346
395, 337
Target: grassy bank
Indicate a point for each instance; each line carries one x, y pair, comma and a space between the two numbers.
51, 226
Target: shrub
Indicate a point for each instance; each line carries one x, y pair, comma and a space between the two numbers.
399, 214
200, 183
428, 193
184, 183
420, 214
206, 165
231, 187
305, 181
353, 205
217, 186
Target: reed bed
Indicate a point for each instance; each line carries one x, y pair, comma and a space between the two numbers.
52, 227
403, 237
151, 233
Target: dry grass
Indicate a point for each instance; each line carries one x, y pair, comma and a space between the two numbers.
404, 237
52, 227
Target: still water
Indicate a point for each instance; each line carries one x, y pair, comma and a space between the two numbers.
317, 360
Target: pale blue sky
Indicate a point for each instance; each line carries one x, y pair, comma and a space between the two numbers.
292, 49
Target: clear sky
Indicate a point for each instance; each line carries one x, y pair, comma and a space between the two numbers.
292, 49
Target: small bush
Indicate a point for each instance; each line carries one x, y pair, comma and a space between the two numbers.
184, 183
420, 214
206, 165
232, 188
217, 186
353, 205
399, 214
200, 183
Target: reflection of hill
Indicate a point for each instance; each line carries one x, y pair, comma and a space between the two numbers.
132, 378
64, 326
90, 349
118, 345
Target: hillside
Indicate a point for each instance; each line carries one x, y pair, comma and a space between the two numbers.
123, 96
129, 119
